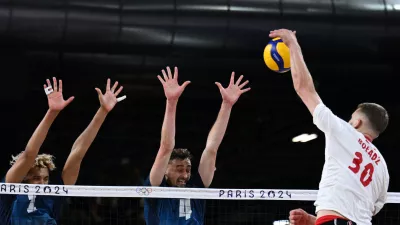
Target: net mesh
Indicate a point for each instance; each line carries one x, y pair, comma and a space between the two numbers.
124, 205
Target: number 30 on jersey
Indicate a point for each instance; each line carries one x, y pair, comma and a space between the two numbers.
368, 171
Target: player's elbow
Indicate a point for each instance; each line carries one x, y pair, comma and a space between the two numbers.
303, 85
305, 89
167, 146
28, 154
212, 148
302, 82
76, 155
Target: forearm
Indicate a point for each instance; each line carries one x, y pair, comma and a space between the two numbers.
166, 146
38, 137
218, 130
87, 137
300, 74
72, 165
168, 127
21, 167
217, 133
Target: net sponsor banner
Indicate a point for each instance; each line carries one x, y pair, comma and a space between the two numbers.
166, 192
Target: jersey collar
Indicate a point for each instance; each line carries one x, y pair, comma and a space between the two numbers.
368, 138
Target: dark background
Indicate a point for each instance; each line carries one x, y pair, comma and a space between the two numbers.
351, 48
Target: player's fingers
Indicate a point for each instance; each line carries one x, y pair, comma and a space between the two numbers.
48, 83
60, 86
272, 32
276, 33
244, 84
219, 86
118, 91
160, 79
176, 73
98, 91
169, 72
114, 87
295, 212
232, 78
165, 75
246, 90
55, 84
239, 80
70, 100
108, 84
185, 84
295, 217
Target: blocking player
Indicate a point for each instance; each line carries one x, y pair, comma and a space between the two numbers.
31, 168
172, 167
355, 178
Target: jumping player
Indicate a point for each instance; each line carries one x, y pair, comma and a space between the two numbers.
31, 168
172, 167
355, 178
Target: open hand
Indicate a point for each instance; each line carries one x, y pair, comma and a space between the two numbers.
109, 99
55, 98
288, 37
232, 93
170, 84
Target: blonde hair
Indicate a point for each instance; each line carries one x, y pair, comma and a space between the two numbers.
41, 161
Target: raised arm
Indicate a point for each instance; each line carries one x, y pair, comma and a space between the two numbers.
26, 160
229, 97
172, 92
107, 102
302, 80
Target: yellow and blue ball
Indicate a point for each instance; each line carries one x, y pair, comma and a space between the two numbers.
277, 56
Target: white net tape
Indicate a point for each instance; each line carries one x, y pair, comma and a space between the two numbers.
167, 192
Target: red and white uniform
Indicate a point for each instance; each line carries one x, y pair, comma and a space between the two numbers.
355, 177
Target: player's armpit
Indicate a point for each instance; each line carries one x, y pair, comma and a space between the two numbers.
310, 98
160, 166
207, 166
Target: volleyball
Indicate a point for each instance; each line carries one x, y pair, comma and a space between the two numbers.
277, 56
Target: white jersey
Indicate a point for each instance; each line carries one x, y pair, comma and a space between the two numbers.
355, 177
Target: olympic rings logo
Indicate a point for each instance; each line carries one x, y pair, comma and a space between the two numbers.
144, 191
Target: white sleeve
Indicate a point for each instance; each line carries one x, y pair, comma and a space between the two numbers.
325, 120
381, 200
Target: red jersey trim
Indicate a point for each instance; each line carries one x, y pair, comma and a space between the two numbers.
327, 218
368, 139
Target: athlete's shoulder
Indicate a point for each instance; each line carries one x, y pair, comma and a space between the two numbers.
349, 132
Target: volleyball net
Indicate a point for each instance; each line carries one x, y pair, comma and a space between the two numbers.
124, 204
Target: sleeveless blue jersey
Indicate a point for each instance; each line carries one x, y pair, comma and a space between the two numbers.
29, 209
165, 211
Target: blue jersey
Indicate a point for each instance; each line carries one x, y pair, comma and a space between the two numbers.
165, 211
29, 209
